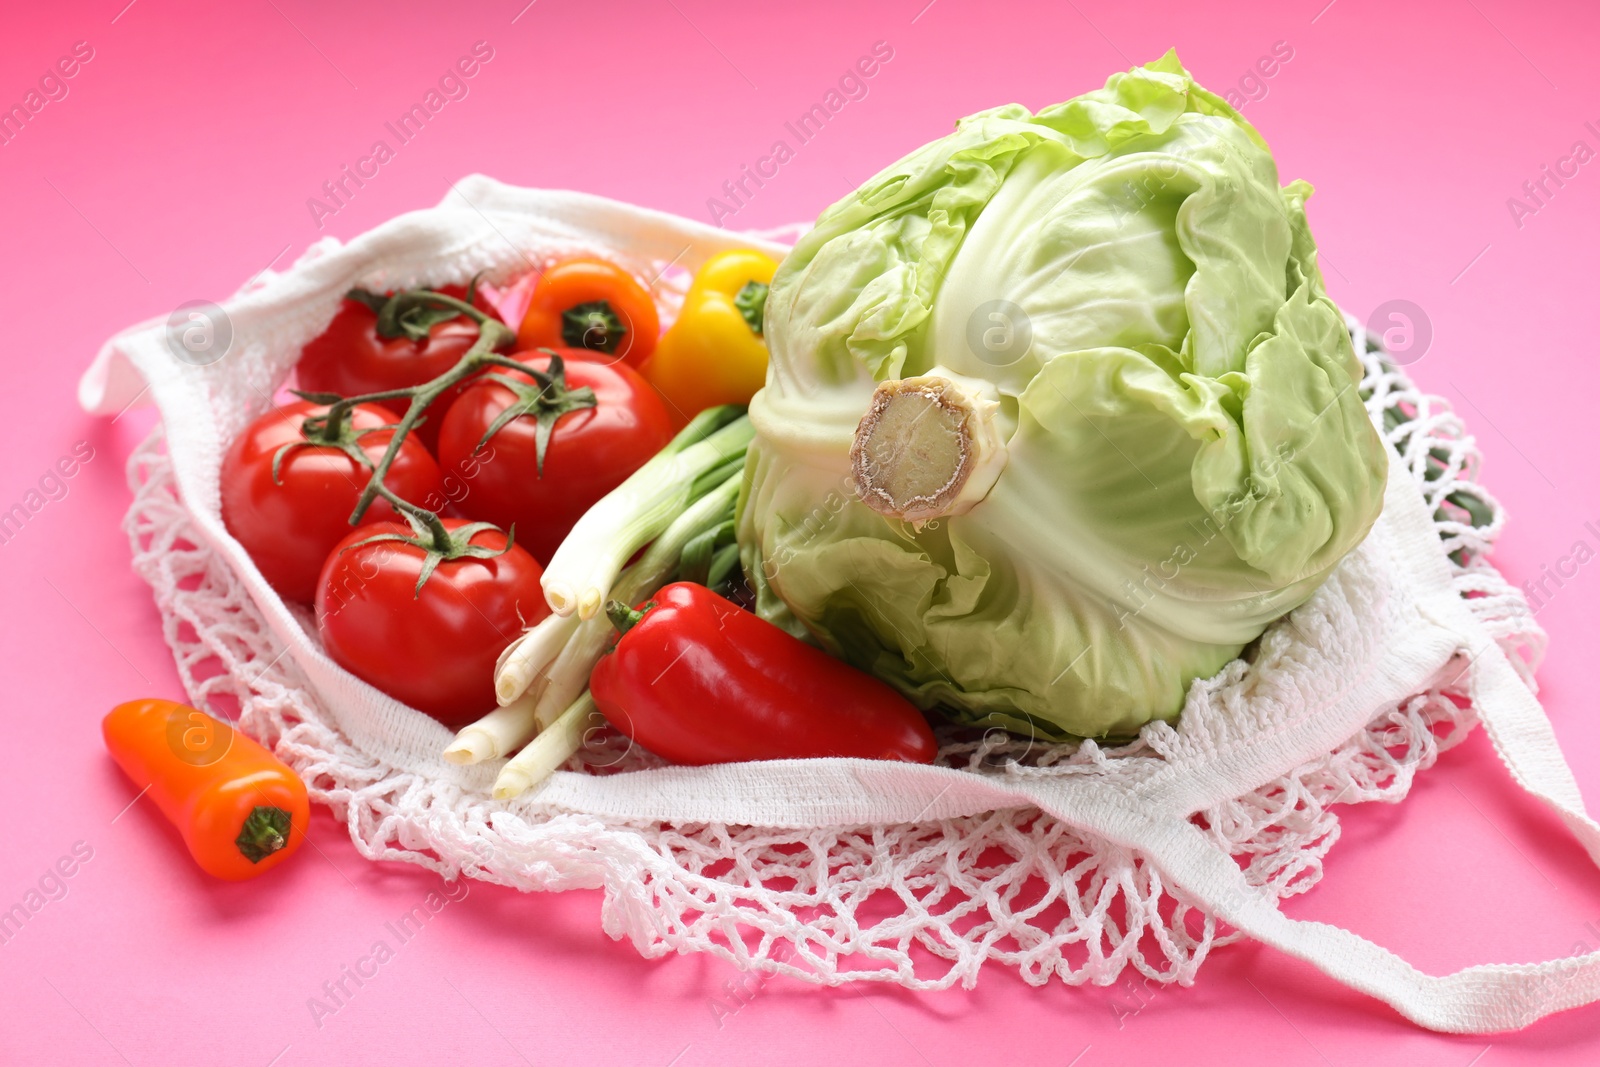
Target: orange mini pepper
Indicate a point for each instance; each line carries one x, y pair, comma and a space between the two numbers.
592, 304
240, 809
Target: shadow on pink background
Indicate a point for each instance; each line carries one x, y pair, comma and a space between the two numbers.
180, 162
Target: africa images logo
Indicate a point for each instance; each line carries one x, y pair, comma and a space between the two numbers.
852, 85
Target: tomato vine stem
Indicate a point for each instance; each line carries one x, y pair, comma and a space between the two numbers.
411, 313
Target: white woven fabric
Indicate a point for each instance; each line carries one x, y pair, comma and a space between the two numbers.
1059, 861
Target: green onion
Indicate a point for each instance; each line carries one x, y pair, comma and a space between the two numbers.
580, 575
501, 731
556, 744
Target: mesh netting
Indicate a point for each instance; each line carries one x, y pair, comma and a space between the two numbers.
925, 905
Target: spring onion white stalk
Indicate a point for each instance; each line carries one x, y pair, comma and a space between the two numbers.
580, 575
530, 655
569, 674
556, 744
501, 731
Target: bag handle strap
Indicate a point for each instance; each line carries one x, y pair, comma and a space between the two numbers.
1480, 999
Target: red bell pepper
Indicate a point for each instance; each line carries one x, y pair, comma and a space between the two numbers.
696, 679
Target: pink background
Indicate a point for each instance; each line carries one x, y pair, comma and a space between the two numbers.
179, 165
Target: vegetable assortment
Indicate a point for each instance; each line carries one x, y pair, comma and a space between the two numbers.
1048, 420
573, 487
680, 505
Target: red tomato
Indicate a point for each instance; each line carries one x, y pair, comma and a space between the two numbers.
590, 450
434, 648
350, 359
289, 526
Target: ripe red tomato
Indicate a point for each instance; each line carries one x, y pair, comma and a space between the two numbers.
434, 648
350, 359
589, 453
290, 525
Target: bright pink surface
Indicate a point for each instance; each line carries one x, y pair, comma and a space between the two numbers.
180, 164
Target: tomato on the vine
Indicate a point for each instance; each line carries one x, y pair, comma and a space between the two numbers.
429, 639
351, 357
289, 520
559, 444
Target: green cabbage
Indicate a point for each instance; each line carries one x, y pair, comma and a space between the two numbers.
1188, 453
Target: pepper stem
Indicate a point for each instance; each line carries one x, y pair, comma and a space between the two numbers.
751, 302
265, 831
623, 617
594, 325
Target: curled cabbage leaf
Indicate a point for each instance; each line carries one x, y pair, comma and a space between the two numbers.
1187, 455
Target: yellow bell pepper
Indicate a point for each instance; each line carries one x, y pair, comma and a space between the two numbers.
714, 354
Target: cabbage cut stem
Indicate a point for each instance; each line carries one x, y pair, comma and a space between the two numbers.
928, 446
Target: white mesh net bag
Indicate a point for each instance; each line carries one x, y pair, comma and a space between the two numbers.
1066, 862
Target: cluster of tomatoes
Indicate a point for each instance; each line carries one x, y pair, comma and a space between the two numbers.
504, 461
